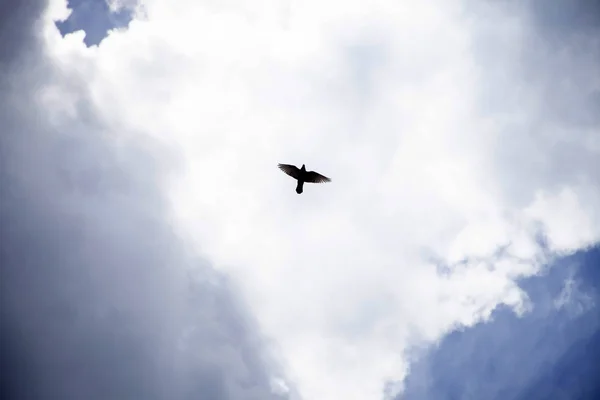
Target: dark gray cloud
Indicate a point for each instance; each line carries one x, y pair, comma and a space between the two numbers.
16, 18
561, 18
97, 296
554, 53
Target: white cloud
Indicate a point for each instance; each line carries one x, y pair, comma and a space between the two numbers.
387, 100
572, 298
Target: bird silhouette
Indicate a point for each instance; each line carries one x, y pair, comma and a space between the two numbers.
302, 175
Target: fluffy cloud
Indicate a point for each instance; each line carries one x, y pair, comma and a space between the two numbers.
98, 297
549, 353
457, 167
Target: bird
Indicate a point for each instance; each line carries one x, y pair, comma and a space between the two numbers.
302, 175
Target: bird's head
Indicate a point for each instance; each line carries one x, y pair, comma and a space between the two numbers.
303, 169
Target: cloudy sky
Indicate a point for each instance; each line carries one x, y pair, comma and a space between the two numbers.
150, 248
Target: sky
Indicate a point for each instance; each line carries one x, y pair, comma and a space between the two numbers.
550, 353
95, 18
150, 247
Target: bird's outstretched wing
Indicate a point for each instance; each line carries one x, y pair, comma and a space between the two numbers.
291, 170
315, 177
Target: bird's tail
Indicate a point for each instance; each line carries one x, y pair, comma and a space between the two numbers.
299, 187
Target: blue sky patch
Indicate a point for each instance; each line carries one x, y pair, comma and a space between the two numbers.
549, 353
95, 18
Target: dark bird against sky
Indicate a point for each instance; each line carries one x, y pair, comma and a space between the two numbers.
302, 175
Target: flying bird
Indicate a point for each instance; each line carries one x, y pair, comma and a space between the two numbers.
302, 175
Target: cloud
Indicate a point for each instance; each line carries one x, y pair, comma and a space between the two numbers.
454, 175
14, 18
549, 353
99, 298
572, 299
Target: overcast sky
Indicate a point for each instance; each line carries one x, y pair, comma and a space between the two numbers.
152, 249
